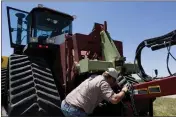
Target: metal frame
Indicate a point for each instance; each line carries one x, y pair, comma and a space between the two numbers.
165, 84
76, 46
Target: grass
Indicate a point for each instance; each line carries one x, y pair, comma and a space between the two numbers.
165, 107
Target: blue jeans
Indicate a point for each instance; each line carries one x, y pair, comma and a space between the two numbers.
70, 111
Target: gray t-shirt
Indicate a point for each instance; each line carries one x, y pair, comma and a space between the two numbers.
90, 93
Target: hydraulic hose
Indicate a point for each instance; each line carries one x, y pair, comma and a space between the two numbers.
155, 44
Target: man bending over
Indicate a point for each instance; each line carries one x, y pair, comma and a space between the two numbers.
83, 99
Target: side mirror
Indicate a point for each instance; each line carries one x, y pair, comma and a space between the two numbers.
156, 72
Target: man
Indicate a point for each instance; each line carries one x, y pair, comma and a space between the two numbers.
83, 99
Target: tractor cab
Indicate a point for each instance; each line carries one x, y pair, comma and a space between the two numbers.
41, 27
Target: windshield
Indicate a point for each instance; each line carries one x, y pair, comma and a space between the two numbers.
40, 24
50, 24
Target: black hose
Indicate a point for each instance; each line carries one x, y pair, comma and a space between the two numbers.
167, 59
137, 61
160, 38
149, 43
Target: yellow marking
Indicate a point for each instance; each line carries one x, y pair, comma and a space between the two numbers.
152, 87
143, 89
4, 61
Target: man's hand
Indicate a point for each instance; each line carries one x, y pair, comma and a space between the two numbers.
125, 89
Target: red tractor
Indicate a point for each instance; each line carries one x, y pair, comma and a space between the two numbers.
49, 61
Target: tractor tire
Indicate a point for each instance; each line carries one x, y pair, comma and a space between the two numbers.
3, 79
32, 89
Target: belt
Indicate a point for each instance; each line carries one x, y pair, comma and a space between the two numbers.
81, 109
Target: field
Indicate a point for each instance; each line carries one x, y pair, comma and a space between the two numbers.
165, 107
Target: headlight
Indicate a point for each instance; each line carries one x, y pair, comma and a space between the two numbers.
50, 40
34, 39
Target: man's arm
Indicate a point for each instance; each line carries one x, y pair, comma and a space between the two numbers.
109, 95
116, 98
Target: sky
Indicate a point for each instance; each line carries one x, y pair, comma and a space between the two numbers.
129, 22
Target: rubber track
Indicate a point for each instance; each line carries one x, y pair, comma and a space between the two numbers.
32, 88
3, 78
